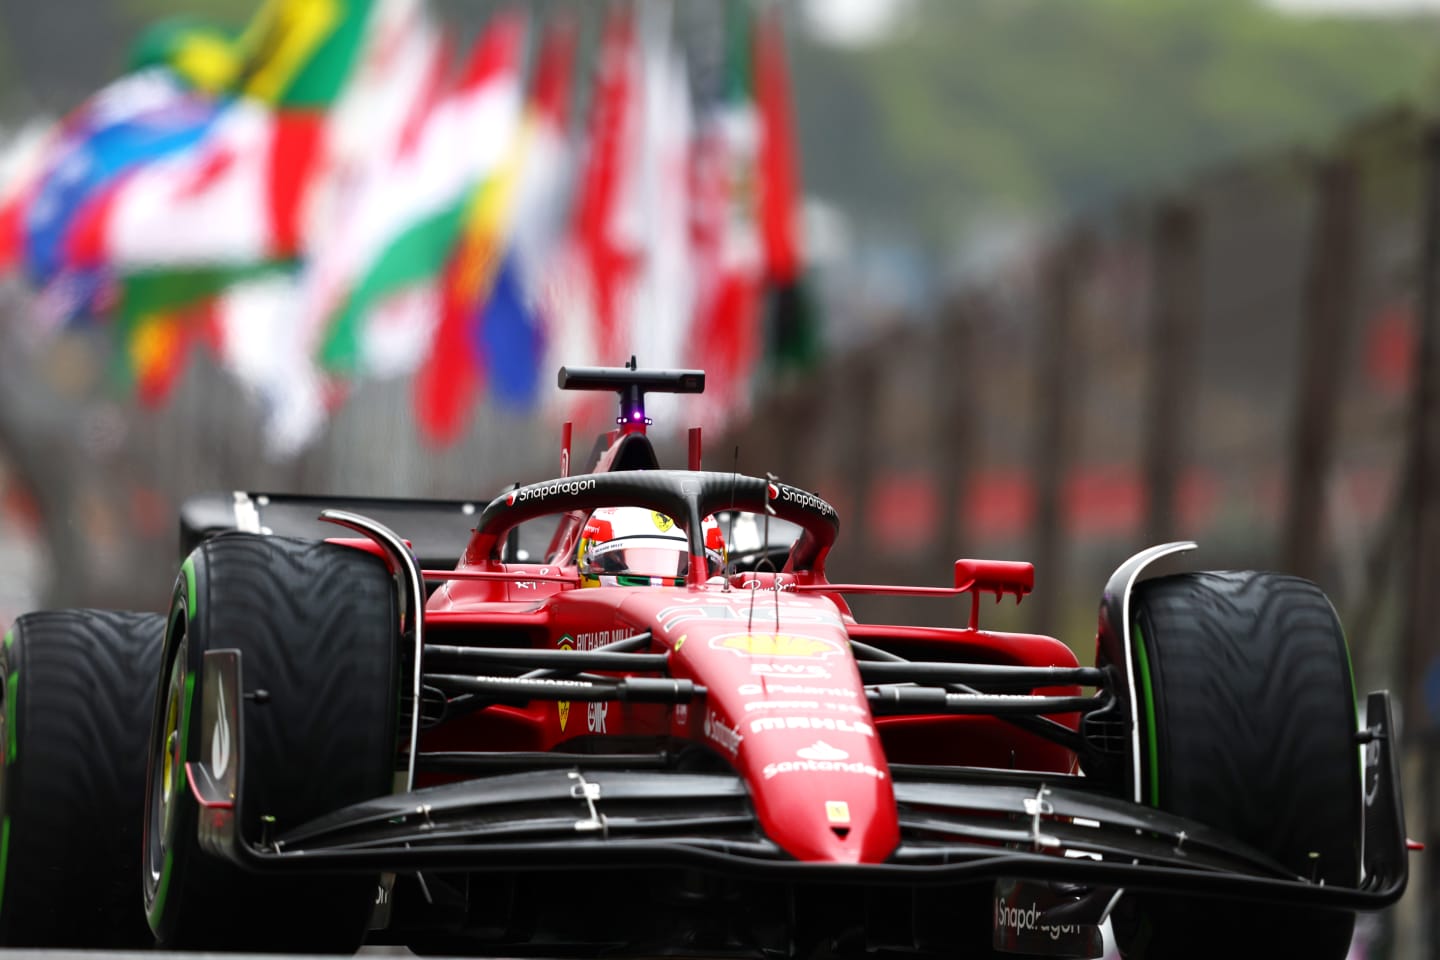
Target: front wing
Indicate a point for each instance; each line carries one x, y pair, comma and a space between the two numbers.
957, 824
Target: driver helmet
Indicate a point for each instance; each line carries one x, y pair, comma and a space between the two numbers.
637, 547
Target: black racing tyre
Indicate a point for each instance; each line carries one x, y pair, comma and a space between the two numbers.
78, 687
1247, 719
316, 625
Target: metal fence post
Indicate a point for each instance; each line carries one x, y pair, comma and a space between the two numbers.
1421, 641
1175, 316
1058, 388
1327, 318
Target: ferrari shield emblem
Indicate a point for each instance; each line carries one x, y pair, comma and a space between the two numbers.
562, 707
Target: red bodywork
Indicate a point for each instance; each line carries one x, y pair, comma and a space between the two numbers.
785, 704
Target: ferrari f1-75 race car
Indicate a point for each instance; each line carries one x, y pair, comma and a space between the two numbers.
637, 718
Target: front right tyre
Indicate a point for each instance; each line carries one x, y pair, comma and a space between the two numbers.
1247, 719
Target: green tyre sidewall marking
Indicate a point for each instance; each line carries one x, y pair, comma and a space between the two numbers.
188, 610
1350, 673
4, 854
1354, 698
167, 868
1147, 693
187, 570
12, 695
12, 688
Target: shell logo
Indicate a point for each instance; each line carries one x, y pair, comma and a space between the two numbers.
785, 645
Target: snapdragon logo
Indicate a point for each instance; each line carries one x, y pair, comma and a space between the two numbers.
543, 491
1021, 920
800, 498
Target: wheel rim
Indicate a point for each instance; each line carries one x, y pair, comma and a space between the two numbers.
168, 776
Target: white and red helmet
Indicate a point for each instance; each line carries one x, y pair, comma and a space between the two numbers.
638, 547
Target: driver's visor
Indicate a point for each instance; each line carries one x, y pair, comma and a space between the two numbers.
644, 561
635, 580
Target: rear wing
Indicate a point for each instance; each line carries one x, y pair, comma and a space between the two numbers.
437, 529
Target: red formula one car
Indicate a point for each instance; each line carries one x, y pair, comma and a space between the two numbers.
637, 718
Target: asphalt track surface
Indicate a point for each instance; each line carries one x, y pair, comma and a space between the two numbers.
153, 954
365, 952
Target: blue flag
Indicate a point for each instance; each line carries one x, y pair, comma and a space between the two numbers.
511, 343
137, 119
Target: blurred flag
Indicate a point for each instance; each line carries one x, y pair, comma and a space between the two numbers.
196, 232
239, 195
607, 225
727, 341
395, 85
21, 165
512, 328
193, 209
202, 54
155, 353
159, 319
346, 209
134, 120
792, 339
489, 330
663, 304
404, 240
271, 324
263, 346
588, 289
151, 111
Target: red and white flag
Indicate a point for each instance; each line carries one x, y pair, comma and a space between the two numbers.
608, 223
406, 226
727, 237
22, 160
664, 299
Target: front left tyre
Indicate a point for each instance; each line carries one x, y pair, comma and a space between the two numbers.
317, 628
78, 689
